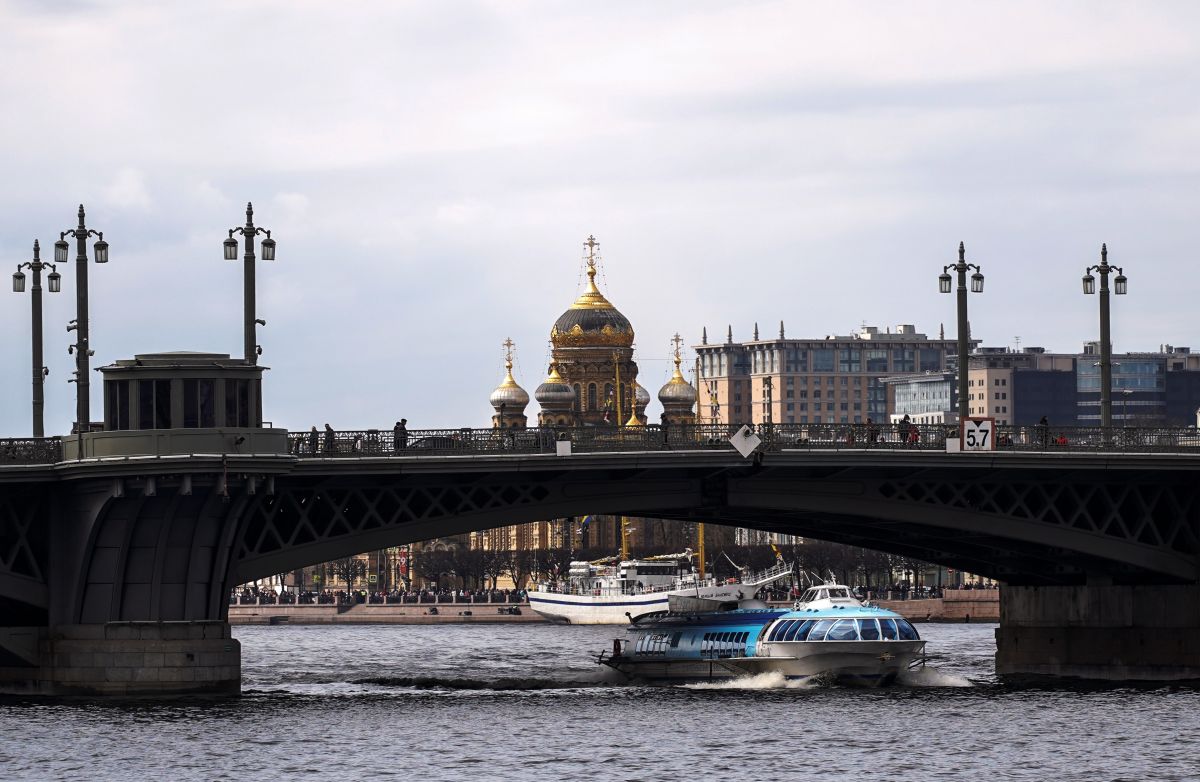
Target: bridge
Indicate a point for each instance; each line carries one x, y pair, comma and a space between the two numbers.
118, 548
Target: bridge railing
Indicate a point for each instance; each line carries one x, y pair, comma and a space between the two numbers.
775, 438
600, 439
31, 450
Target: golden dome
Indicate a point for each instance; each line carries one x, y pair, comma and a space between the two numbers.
677, 391
508, 393
592, 320
554, 393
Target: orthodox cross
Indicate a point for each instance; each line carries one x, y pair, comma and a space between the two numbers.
591, 244
508, 354
677, 340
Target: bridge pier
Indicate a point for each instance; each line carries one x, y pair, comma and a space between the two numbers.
131, 659
1100, 632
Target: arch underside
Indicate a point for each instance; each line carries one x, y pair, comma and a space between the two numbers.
173, 555
1017, 528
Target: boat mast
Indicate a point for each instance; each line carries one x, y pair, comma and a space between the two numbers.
624, 539
700, 548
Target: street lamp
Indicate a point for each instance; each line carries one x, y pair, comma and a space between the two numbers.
39, 369
82, 347
249, 231
944, 280
1121, 285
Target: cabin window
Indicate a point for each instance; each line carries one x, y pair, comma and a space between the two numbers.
778, 629
907, 631
887, 628
843, 630
790, 635
802, 633
819, 629
868, 630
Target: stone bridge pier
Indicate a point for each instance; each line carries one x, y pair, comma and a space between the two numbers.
1100, 631
113, 587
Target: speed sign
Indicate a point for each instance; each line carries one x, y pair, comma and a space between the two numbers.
978, 434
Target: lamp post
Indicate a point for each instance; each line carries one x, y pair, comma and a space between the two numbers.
82, 347
39, 369
944, 280
249, 231
1121, 285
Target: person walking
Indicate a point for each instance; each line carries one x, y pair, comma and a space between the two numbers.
313, 441
1043, 432
400, 435
666, 430
872, 432
328, 438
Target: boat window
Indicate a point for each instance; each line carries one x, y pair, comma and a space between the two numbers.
790, 635
868, 630
887, 628
779, 629
838, 593
675, 639
823, 594
802, 631
819, 630
843, 630
907, 631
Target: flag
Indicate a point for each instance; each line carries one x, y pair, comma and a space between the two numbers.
778, 556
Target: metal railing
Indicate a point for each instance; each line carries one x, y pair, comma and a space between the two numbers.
31, 450
713, 437
775, 438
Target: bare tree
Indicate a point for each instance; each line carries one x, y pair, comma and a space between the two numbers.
348, 570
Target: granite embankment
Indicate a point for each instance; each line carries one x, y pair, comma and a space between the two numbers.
958, 605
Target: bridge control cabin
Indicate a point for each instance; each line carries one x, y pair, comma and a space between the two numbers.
178, 403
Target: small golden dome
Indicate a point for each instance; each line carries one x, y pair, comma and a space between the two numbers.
508, 393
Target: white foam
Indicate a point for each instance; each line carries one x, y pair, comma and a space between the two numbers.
932, 677
772, 680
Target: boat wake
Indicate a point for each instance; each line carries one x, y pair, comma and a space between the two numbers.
761, 681
924, 677
504, 684
932, 677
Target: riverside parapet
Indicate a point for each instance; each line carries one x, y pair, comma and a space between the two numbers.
957, 605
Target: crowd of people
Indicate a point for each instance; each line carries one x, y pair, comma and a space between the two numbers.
257, 596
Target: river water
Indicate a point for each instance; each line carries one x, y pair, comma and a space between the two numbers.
528, 702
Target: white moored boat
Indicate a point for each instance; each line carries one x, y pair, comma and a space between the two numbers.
599, 594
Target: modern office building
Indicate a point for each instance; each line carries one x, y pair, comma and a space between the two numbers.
832, 379
1149, 389
926, 398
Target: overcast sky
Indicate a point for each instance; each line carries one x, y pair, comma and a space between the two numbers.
431, 170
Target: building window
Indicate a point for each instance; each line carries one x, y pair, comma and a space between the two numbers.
199, 409
118, 405
154, 404
591, 400
237, 403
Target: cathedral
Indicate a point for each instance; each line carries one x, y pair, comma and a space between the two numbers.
592, 381
592, 378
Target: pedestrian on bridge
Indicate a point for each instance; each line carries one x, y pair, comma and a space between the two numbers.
666, 431
328, 438
313, 441
400, 435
